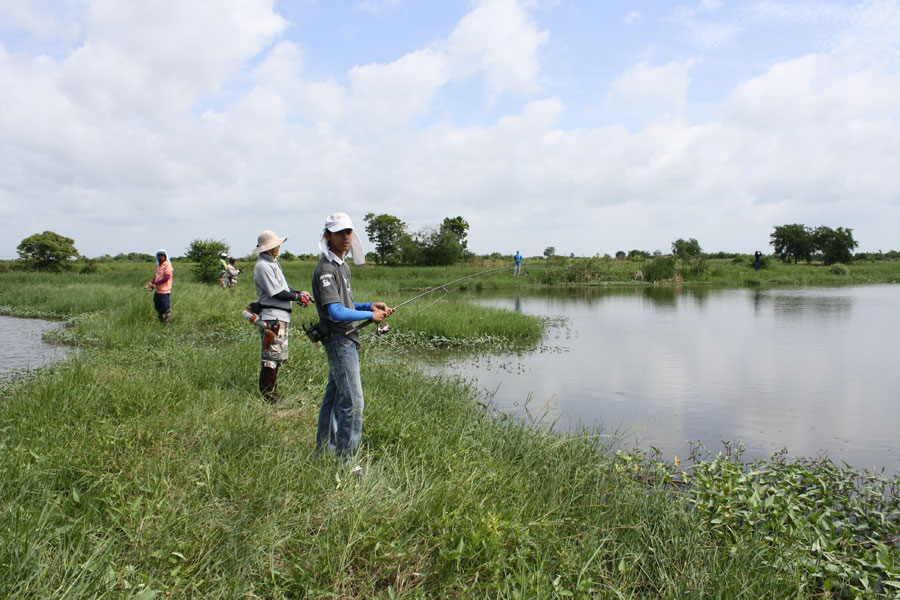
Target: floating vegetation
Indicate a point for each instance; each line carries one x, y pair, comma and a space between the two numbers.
840, 526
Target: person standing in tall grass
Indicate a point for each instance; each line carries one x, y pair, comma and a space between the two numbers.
274, 297
340, 417
161, 284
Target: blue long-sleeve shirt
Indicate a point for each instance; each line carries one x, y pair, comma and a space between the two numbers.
338, 312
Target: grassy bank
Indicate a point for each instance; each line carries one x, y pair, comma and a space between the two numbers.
145, 466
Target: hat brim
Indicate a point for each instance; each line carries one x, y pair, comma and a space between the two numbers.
269, 245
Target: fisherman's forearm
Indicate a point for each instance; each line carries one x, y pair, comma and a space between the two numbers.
338, 312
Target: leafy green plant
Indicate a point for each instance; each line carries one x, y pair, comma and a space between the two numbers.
840, 269
659, 269
205, 256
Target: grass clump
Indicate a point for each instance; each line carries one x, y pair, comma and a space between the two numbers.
840, 269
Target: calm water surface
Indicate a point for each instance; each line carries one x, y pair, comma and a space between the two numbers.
810, 369
21, 346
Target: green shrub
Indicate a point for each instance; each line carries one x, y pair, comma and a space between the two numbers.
205, 255
840, 269
89, 267
695, 267
659, 269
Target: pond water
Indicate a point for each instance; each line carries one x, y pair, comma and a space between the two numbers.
22, 346
812, 370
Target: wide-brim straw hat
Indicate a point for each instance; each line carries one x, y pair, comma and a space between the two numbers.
267, 240
340, 222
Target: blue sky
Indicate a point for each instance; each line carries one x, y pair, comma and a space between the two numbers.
591, 127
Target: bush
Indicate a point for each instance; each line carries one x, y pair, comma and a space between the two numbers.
90, 267
659, 269
695, 267
205, 255
840, 269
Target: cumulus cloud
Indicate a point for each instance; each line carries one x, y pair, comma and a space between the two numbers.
395, 93
660, 86
498, 41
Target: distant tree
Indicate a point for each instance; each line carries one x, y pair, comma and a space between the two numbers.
440, 248
47, 251
409, 250
638, 254
549, 252
836, 245
793, 241
457, 227
686, 248
286, 256
620, 254
205, 256
385, 231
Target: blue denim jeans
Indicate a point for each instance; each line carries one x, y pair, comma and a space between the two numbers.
341, 415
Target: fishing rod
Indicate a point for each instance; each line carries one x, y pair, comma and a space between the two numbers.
430, 291
128, 297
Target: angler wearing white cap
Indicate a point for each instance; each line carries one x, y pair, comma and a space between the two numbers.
340, 417
274, 298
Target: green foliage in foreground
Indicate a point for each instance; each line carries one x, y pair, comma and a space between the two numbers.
840, 527
145, 466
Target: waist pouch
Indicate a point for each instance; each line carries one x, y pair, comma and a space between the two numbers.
320, 332
256, 307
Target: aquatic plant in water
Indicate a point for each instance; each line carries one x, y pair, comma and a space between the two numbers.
839, 525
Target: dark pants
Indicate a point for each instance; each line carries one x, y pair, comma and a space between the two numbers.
162, 304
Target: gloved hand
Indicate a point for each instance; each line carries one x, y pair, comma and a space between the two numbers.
302, 298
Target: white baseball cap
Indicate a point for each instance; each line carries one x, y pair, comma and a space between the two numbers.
339, 222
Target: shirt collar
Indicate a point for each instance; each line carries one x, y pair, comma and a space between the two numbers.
268, 257
333, 257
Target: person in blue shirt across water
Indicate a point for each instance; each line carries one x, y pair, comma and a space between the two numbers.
340, 416
518, 259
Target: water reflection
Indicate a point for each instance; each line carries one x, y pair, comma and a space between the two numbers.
807, 368
22, 346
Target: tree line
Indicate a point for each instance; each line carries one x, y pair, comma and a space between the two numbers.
446, 244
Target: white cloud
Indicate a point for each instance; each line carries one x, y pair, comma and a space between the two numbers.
42, 19
395, 93
799, 11
377, 6
702, 31
632, 17
498, 40
655, 86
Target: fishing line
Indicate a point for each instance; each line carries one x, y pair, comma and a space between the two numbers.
126, 298
431, 291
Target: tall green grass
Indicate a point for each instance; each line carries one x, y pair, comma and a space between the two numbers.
146, 466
